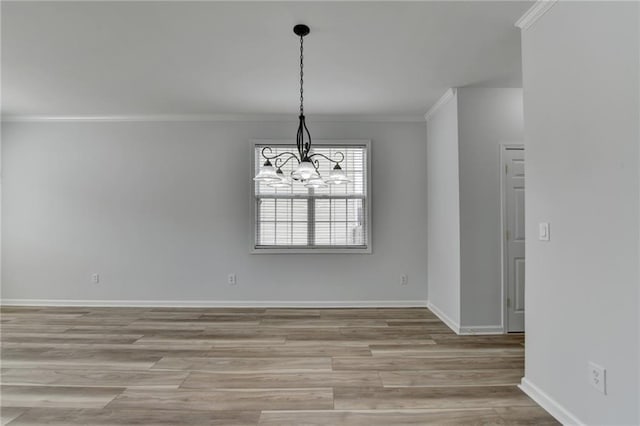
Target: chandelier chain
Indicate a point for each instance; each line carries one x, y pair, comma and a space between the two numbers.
301, 75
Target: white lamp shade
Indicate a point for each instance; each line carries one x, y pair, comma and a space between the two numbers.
337, 176
267, 174
305, 171
282, 181
316, 182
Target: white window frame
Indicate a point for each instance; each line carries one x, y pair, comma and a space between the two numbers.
306, 250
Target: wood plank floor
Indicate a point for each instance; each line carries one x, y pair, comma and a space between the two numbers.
166, 366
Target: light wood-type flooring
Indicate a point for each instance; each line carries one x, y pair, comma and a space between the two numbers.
169, 366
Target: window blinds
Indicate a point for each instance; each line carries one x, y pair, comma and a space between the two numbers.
298, 217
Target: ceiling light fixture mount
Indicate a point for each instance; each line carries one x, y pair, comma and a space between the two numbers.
307, 171
301, 30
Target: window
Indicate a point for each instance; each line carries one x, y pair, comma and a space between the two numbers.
300, 219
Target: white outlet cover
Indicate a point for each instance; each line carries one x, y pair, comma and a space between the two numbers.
597, 376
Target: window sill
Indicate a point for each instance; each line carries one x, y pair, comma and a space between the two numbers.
319, 250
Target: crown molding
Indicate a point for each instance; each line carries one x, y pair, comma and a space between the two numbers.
534, 13
213, 118
448, 95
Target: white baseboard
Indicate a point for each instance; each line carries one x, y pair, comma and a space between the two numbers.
545, 401
466, 330
219, 303
444, 317
481, 329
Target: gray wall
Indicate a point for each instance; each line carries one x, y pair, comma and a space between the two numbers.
162, 212
463, 157
486, 119
581, 103
443, 214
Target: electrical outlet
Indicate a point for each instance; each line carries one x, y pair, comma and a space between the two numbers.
95, 278
231, 279
598, 377
404, 279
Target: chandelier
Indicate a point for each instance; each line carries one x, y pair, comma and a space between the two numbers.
307, 172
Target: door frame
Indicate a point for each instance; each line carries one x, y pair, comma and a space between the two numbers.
503, 230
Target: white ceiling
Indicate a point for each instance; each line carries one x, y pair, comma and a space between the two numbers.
152, 58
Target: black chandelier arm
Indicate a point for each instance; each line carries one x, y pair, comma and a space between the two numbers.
300, 140
303, 147
277, 158
327, 158
307, 146
278, 162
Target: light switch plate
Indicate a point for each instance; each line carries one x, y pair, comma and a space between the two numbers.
544, 231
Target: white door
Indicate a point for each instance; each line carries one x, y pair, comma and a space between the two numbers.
513, 196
